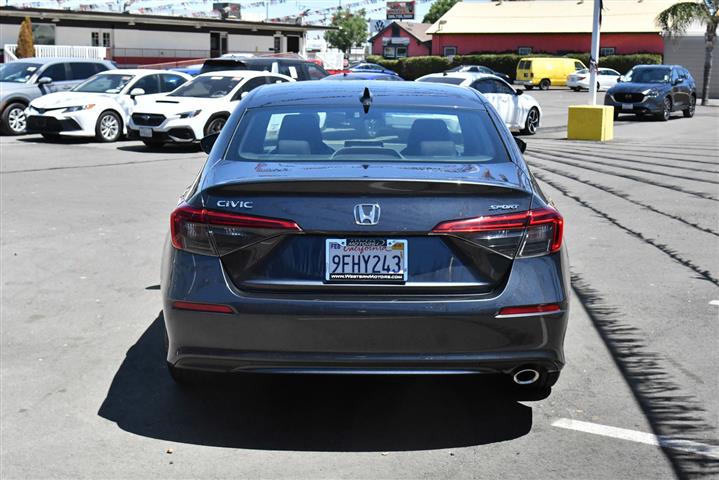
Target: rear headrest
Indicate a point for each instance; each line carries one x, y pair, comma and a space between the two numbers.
293, 147
438, 148
426, 130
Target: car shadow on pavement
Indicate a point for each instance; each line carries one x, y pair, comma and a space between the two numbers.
168, 148
309, 413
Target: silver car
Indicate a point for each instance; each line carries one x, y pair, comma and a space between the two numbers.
24, 80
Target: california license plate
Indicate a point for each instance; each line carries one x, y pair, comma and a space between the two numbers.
145, 132
627, 106
366, 260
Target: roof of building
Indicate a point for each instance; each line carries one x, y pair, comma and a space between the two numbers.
550, 16
417, 30
132, 19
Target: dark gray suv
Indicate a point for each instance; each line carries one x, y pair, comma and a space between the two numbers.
24, 80
655, 90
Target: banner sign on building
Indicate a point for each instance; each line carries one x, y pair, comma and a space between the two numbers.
400, 10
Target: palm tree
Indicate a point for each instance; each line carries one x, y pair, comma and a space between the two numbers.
676, 19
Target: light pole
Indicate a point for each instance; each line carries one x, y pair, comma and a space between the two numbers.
594, 55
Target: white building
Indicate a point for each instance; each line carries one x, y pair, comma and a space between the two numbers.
133, 39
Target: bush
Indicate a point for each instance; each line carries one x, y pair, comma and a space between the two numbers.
414, 67
25, 45
624, 63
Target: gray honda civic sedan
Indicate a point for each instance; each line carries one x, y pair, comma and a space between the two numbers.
365, 228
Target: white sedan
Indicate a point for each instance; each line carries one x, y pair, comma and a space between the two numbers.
579, 80
197, 109
100, 106
519, 110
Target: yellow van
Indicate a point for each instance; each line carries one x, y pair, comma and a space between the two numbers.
546, 71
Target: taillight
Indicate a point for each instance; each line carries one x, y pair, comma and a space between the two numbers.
214, 233
526, 234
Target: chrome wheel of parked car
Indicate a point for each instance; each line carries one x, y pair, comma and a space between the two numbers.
215, 125
689, 112
14, 120
532, 123
108, 127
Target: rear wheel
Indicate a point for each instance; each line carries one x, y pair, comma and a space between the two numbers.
532, 122
689, 112
13, 120
108, 127
544, 84
666, 110
576, 89
599, 87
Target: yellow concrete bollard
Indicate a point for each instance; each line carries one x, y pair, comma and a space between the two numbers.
590, 122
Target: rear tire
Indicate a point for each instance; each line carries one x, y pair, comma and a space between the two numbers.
689, 112
576, 89
13, 120
544, 84
108, 127
531, 124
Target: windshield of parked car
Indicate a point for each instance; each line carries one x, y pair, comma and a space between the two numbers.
320, 133
207, 87
649, 75
19, 72
104, 83
449, 80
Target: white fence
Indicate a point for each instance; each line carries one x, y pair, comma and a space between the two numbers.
69, 51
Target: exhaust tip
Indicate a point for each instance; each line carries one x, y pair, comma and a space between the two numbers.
526, 376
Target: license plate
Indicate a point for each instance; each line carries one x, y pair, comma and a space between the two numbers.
627, 106
145, 132
365, 260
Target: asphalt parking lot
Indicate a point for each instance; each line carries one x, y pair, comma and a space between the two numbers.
85, 393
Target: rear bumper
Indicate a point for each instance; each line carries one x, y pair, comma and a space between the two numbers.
338, 333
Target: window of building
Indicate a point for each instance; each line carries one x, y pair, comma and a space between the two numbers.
95, 39
524, 50
389, 52
401, 52
106, 39
606, 51
449, 51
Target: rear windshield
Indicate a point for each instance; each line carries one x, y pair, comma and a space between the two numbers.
220, 65
384, 134
525, 65
207, 87
449, 80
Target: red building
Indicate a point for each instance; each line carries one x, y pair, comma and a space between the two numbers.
402, 39
548, 26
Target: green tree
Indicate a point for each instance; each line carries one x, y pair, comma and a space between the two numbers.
25, 44
351, 30
438, 8
676, 19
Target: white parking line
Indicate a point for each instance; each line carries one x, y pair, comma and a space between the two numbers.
714, 302
639, 437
